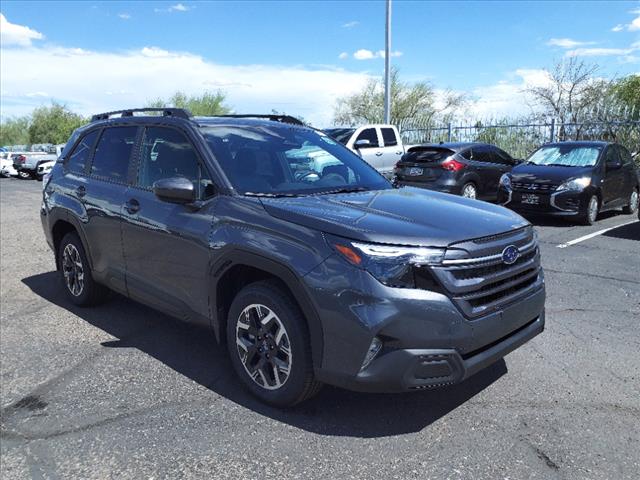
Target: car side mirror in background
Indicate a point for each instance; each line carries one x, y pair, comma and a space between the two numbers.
361, 144
175, 190
614, 166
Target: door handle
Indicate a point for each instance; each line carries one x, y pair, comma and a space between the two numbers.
81, 191
399, 152
378, 154
132, 206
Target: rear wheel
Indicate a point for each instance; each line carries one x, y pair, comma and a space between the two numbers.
469, 190
633, 203
79, 285
269, 345
591, 214
24, 175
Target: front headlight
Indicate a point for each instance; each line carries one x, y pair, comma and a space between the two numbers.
505, 181
394, 266
575, 184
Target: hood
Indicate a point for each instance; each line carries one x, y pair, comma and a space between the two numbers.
544, 174
405, 216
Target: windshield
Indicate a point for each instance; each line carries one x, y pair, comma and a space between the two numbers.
283, 160
566, 156
340, 134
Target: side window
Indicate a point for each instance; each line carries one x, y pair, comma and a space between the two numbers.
389, 137
167, 153
611, 157
467, 154
482, 154
77, 161
503, 157
371, 135
113, 153
625, 156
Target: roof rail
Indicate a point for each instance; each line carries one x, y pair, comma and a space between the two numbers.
166, 112
273, 117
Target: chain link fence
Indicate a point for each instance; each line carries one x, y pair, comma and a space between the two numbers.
523, 138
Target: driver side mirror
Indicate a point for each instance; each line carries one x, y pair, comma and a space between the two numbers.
175, 190
361, 144
614, 165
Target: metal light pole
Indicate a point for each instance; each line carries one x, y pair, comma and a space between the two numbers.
387, 67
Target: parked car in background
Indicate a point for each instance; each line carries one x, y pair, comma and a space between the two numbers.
6, 165
472, 170
26, 163
379, 145
577, 180
44, 168
332, 278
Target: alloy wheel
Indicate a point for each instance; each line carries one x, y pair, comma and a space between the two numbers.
633, 201
73, 270
263, 346
469, 191
593, 209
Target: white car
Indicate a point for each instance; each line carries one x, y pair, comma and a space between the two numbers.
379, 145
44, 168
6, 167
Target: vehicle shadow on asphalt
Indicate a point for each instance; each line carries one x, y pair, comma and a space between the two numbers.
625, 232
193, 352
550, 221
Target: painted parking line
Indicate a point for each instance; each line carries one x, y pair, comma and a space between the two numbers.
594, 234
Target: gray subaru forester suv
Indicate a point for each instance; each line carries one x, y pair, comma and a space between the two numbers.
306, 262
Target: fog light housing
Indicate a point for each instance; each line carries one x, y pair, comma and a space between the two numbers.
374, 349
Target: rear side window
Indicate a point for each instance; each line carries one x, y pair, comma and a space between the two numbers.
371, 135
389, 137
167, 153
625, 156
113, 153
77, 161
483, 154
503, 157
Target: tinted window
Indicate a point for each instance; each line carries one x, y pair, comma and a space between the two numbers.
612, 156
167, 153
625, 155
340, 134
389, 137
503, 157
78, 159
111, 160
371, 135
482, 154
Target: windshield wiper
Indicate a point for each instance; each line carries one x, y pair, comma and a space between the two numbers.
343, 190
558, 165
270, 195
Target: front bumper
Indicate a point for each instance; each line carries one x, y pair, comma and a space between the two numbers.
427, 340
560, 204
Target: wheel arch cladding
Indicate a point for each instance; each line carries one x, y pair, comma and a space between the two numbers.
240, 268
61, 227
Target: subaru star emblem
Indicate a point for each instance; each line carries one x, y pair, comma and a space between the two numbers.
510, 254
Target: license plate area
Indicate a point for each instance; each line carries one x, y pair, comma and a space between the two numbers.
530, 199
415, 171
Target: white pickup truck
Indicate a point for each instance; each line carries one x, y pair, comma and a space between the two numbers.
27, 163
379, 145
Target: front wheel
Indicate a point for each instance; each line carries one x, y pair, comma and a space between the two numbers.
269, 345
24, 175
633, 203
470, 191
592, 211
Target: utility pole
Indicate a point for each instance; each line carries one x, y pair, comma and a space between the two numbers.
387, 67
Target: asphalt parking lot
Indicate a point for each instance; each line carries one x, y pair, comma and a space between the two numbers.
121, 391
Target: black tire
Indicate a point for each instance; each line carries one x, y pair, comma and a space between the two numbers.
86, 292
300, 384
633, 204
24, 175
469, 187
589, 218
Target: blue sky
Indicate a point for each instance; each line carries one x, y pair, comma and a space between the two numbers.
299, 56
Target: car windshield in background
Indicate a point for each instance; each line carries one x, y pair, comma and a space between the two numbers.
280, 160
340, 134
566, 156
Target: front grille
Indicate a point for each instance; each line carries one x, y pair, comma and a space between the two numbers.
533, 187
481, 282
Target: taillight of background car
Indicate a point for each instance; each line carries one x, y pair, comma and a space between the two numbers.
21, 158
452, 164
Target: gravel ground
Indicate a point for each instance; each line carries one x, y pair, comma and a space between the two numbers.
121, 391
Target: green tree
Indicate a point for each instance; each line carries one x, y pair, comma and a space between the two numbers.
15, 131
53, 124
411, 104
627, 92
207, 104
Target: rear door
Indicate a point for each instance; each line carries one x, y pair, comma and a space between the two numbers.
391, 149
103, 196
372, 153
613, 183
501, 163
166, 244
481, 160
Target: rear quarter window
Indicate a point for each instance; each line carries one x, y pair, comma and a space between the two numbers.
79, 157
389, 137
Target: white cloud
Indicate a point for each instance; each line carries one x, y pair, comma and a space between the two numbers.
91, 82
634, 25
343, 56
351, 24
618, 28
178, 7
364, 54
566, 43
124, 16
12, 34
601, 52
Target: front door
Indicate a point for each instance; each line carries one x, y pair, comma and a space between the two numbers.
165, 244
371, 153
613, 180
